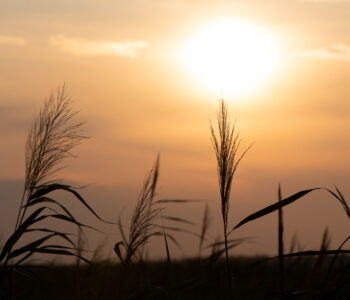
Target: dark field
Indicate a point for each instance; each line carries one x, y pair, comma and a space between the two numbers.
305, 278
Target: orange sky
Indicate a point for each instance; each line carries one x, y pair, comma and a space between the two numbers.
120, 62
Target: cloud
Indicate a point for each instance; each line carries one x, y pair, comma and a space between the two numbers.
333, 52
12, 40
81, 47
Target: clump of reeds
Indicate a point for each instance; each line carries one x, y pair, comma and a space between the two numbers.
54, 133
226, 146
144, 219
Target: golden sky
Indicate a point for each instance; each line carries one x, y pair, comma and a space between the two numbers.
122, 64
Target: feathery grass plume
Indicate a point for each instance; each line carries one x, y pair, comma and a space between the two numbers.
52, 137
226, 146
144, 218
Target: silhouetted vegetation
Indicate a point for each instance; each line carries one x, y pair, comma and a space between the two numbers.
307, 274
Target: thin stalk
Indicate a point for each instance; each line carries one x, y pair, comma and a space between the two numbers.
228, 267
280, 246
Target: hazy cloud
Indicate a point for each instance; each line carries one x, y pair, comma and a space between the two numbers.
82, 47
333, 52
12, 40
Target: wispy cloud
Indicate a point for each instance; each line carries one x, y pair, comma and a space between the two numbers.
333, 52
12, 40
82, 47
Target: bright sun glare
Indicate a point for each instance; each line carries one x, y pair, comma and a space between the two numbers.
232, 56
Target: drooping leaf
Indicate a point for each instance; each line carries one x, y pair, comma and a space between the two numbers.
339, 196
44, 190
42, 200
31, 246
68, 219
58, 233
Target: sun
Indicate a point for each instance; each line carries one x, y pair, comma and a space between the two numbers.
232, 56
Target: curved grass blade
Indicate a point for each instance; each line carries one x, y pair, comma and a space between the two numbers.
68, 219
341, 199
31, 246
63, 235
19, 232
271, 208
42, 200
60, 250
117, 250
177, 201
176, 219
56, 186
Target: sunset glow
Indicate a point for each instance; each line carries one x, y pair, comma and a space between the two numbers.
147, 79
232, 56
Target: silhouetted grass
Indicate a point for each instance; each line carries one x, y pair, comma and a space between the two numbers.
301, 274
226, 145
53, 135
143, 221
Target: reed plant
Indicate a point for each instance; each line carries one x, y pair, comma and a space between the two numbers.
226, 144
51, 139
144, 221
148, 220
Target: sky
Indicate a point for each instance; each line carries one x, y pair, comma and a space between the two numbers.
122, 64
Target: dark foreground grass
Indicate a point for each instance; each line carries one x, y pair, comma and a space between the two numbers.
186, 279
